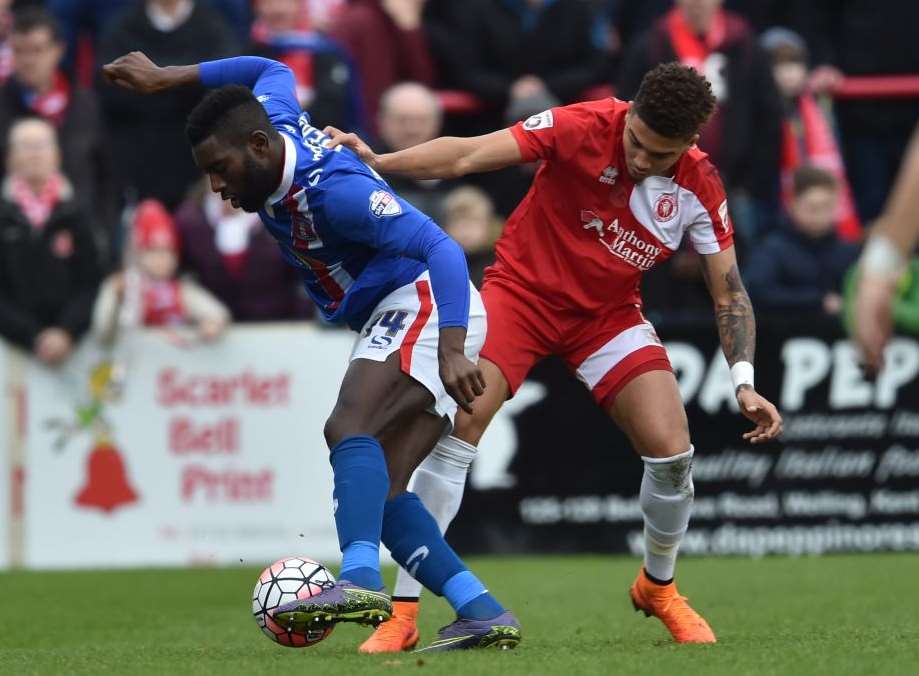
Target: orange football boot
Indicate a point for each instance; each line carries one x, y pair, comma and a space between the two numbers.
398, 634
664, 602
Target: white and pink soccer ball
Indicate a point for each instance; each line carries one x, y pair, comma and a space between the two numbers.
283, 581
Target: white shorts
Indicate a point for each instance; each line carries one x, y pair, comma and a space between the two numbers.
406, 320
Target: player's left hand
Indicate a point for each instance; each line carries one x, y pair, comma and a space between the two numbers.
461, 378
762, 412
873, 323
134, 71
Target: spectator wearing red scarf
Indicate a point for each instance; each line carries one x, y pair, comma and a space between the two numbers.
860, 38
49, 263
744, 136
807, 131
289, 31
38, 87
283, 17
148, 292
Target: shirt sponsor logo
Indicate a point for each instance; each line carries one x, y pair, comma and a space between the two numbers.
383, 203
609, 176
622, 243
542, 120
380, 342
666, 207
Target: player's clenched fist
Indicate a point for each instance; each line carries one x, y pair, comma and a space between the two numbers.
137, 72
762, 412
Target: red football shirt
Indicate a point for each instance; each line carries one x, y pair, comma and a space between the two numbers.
586, 232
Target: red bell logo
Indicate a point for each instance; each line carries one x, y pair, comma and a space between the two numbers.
107, 486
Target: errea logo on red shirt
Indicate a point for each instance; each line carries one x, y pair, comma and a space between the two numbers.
723, 215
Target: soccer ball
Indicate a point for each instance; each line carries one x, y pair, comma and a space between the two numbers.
284, 581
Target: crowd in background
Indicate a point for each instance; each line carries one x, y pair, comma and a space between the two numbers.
99, 190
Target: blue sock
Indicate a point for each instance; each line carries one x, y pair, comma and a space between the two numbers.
470, 599
361, 487
416, 543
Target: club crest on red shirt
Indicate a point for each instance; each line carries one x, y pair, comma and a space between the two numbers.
665, 209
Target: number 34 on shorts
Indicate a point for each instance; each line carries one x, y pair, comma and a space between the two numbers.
393, 321
406, 321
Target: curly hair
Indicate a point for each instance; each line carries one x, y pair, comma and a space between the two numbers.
232, 112
674, 100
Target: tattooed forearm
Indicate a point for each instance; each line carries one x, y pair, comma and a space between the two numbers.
734, 315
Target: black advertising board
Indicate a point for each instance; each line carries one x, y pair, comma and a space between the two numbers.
844, 476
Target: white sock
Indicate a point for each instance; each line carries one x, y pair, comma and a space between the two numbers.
666, 502
439, 482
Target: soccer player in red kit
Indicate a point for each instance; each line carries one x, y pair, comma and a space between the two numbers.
619, 186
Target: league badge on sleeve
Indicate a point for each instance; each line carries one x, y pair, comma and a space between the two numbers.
384, 203
542, 120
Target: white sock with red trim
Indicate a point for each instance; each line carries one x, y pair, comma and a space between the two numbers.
439, 482
666, 502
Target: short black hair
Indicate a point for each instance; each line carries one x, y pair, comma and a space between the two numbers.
808, 176
32, 18
232, 111
674, 100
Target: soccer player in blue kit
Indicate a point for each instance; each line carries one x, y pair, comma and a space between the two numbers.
372, 261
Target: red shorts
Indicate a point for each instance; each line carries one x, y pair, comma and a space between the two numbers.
604, 352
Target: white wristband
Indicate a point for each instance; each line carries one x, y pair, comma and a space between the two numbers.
742, 374
882, 258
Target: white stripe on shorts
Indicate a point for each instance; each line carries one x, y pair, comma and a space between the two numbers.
610, 355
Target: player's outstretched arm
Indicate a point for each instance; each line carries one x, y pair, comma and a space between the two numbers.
444, 157
737, 329
266, 77
135, 71
892, 242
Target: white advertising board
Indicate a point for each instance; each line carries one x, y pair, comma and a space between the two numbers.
209, 454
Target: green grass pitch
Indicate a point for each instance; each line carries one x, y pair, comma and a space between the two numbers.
839, 615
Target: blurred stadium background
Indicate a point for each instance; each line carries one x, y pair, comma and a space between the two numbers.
168, 441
